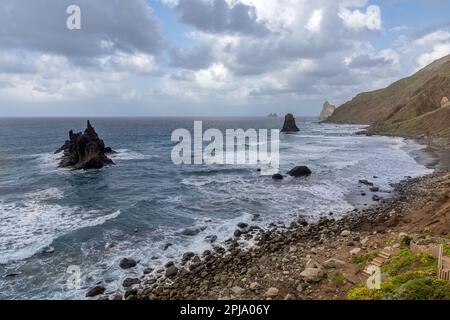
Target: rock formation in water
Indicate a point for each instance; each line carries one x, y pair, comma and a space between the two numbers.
327, 111
84, 151
289, 124
272, 115
300, 171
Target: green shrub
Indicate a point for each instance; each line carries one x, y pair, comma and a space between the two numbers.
363, 293
424, 289
339, 280
407, 260
365, 258
409, 277
446, 249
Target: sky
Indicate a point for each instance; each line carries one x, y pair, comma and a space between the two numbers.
209, 57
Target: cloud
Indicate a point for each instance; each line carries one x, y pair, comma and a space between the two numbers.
107, 26
315, 21
15, 62
306, 43
432, 38
224, 53
197, 57
421, 50
357, 19
218, 16
439, 50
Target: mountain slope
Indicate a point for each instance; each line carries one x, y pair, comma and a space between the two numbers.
411, 106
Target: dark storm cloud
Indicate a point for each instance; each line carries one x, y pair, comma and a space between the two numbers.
107, 26
218, 16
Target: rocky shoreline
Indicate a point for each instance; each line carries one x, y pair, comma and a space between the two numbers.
303, 261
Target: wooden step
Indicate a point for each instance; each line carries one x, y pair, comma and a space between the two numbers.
367, 273
385, 254
378, 261
370, 269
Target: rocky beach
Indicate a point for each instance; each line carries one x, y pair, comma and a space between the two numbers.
323, 260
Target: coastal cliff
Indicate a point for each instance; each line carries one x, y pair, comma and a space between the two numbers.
413, 106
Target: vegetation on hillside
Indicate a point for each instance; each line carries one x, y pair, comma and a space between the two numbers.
411, 106
408, 276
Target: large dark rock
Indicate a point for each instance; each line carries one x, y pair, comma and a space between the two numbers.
300, 171
127, 263
84, 151
97, 290
289, 124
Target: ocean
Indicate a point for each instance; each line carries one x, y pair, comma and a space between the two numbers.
52, 219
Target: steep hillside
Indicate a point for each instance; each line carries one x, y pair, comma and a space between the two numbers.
411, 106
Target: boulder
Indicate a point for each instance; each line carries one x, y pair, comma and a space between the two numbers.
277, 176
289, 124
172, 271
95, 291
84, 151
128, 282
345, 233
187, 256
272, 293
376, 198
355, 252
333, 263
366, 182
312, 274
127, 263
191, 232
299, 171
254, 286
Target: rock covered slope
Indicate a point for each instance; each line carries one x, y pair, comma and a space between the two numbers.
417, 105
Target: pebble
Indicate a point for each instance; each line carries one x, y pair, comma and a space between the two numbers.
271, 293
237, 291
254, 286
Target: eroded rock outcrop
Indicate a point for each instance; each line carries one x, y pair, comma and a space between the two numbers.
327, 111
289, 124
84, 151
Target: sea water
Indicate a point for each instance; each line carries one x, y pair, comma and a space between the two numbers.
52, 219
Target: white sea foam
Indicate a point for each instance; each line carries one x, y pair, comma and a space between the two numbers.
32, 224
125, 154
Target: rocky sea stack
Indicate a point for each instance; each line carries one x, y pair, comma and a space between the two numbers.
327, 111
289, 124
84, 151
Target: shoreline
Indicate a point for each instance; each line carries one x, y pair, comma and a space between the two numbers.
275, 267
